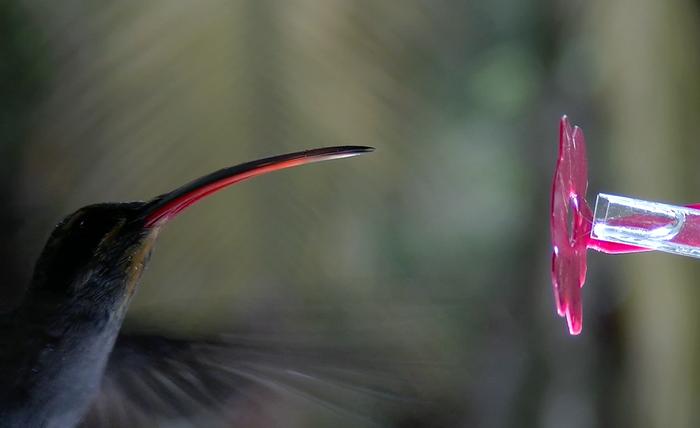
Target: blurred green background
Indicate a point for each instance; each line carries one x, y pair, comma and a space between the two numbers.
437, 243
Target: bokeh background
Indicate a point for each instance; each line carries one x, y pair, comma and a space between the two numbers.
436, 244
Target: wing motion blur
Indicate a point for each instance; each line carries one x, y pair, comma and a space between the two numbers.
151, 380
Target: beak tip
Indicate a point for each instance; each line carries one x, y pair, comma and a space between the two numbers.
351, 151
356, 150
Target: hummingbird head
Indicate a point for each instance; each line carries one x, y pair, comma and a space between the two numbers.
95, 252
94, 258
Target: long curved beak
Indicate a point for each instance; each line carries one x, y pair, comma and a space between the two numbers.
166, 206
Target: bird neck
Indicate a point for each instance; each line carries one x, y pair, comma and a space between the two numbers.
54, 357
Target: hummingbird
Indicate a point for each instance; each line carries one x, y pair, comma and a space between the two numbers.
63, 358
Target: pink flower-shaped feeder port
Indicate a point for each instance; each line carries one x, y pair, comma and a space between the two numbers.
571, 220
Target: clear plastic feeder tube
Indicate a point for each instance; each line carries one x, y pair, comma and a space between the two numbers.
653, 225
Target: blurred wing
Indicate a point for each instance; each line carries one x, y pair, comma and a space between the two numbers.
151, 380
